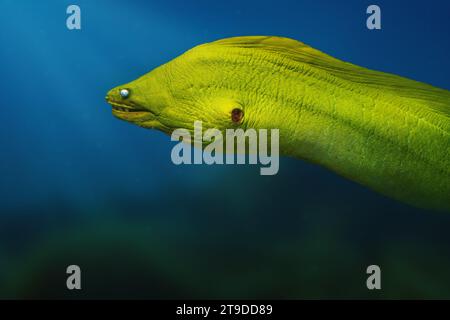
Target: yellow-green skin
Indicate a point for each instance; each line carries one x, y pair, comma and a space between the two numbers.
386, 132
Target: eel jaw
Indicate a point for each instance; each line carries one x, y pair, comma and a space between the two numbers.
136, 115
129, 112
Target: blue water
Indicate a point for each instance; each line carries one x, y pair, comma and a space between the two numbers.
76, 182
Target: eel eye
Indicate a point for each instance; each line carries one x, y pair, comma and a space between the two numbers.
124, 93
237, 115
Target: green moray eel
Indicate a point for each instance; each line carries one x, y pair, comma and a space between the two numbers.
383, 131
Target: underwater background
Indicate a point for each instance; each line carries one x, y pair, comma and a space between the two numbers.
79, 186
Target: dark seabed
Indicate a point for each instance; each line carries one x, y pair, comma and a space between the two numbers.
81, 187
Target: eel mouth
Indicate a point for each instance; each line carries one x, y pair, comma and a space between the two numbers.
127, 108
130, 112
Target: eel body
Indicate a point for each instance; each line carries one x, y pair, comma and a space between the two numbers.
383, 131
